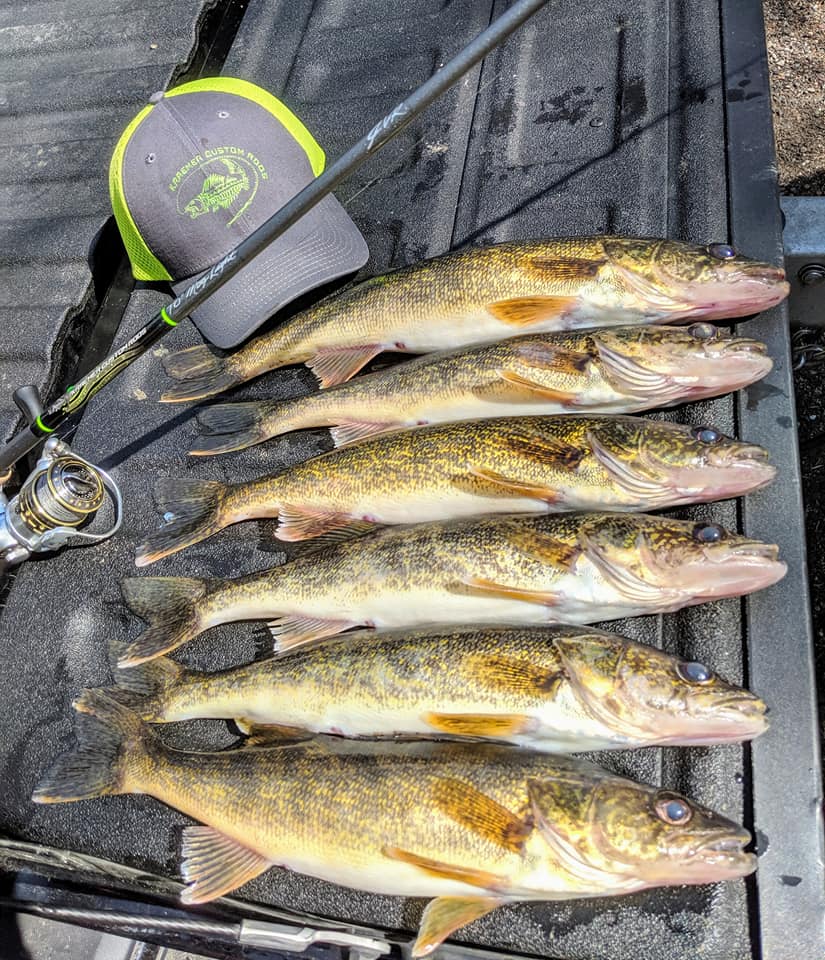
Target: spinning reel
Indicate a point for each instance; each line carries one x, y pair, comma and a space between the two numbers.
61, 495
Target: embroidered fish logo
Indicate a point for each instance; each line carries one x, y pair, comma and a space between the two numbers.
220, 191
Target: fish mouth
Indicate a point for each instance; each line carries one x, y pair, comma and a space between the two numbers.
743, 345
721, 858
731, 720
741, 297
734, 571
731, 473
764, 272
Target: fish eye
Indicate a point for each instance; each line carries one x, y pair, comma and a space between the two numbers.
693, 672
706, 435
703, 331
673, 810
708, 532
721, 251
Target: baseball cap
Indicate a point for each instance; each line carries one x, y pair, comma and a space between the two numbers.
200, 168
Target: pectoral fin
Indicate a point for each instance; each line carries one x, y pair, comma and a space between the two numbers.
214, 864
445, 915
337, 365
488, 483
553, 552
466, 805
524, 311
479, 587
543, 356
512, 388
478, 724
444, 871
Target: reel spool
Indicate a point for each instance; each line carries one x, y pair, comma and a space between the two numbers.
63, 492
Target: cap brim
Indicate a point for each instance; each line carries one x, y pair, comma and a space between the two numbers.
322, 246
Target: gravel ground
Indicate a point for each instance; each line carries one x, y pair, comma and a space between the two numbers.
796, 49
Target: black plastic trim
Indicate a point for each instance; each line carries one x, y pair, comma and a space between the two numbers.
786, 769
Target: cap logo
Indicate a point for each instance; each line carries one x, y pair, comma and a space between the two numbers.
221, 180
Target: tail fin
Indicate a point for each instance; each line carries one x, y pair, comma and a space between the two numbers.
196, 509
145, 686
112, 744
233, 426
201, 372
170, 606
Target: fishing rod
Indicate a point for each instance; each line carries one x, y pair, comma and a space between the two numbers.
46, 525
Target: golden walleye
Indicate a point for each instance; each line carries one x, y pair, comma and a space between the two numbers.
568, 568
560, 689
502, 465
615, 370
484, 294
473, 826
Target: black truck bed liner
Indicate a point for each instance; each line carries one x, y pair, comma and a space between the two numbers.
629, 116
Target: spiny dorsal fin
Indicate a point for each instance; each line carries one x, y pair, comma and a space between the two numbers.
543, 449
214, 864
556, 553
466, 805
569, 269
445, 915
494, 671
543, 356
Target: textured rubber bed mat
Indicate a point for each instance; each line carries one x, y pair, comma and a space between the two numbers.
608, 116
72, 74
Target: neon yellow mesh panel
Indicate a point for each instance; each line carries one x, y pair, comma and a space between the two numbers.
145, 265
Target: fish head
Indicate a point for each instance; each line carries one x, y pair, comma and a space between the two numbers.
628, 835
663, 462
647, 558
650, 696
677, 363
684, 280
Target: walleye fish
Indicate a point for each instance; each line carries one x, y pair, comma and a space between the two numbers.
568, 568
503, 465
560, 689
618, 370
473, 826
484, 294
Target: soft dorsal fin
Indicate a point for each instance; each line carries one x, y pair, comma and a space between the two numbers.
445, 915
333, 365
214, 864
351, 431
289, 632
466, 805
